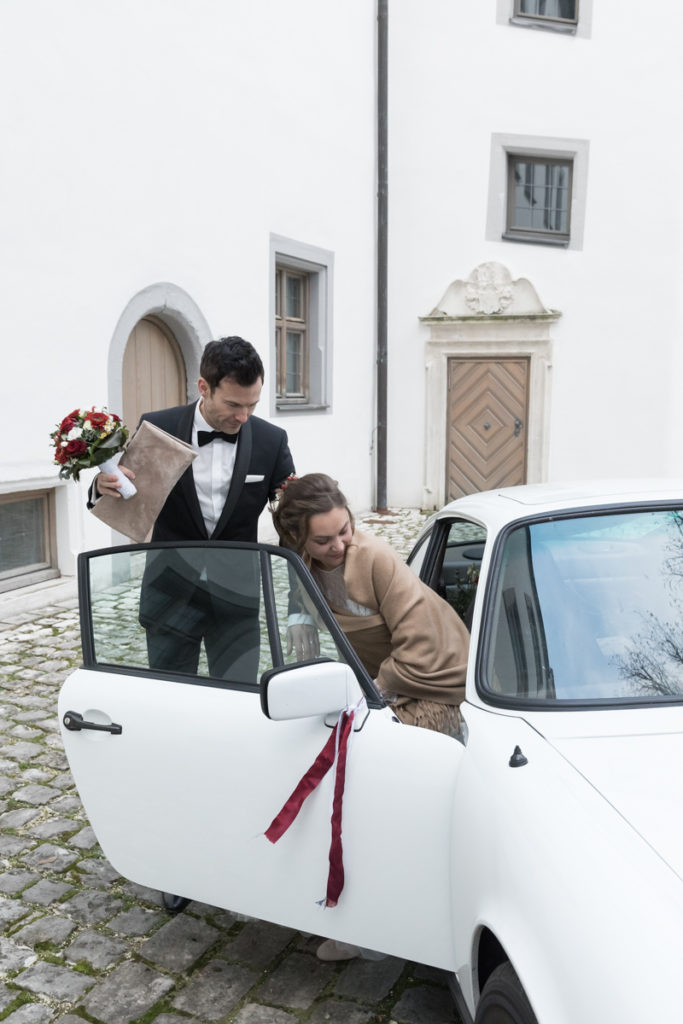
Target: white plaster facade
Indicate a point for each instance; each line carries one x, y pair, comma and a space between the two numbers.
464, 81
155, 149
151, 152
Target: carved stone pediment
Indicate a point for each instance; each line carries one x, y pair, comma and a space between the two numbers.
489, 291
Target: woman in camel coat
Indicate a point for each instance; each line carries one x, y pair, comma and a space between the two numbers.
409, 639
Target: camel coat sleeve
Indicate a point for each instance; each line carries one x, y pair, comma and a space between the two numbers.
428, 641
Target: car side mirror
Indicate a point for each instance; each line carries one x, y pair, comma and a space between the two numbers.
308, 689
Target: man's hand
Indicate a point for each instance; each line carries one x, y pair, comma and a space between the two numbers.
107, 483
304, 641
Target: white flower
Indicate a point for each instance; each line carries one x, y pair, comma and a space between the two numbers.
74, 434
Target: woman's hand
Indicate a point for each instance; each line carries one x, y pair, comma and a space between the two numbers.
304, 641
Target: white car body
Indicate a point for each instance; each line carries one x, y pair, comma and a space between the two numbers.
568, 865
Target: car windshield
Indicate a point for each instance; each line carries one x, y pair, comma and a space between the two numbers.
589, 609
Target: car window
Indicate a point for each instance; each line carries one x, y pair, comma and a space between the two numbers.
589, 609
459, 574
156, 607
417, 555
449, 561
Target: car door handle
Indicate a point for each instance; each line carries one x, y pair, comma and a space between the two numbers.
75, 722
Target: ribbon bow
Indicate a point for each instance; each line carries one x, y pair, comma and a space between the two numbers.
207, 436
335, 750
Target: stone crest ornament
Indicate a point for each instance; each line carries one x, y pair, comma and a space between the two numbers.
489, 291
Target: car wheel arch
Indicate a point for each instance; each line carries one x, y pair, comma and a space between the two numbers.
503, 999
494, 965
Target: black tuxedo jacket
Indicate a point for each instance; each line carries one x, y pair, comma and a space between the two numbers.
262, 454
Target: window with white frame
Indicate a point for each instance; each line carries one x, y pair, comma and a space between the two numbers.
27, 538
292, 315
538, 199
568, 17
537, 190
301, 297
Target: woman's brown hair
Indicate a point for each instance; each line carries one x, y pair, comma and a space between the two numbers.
302, 498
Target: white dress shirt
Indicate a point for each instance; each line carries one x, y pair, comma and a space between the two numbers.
212, 470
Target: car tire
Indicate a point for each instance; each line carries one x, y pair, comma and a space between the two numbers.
503, 1000
174, 904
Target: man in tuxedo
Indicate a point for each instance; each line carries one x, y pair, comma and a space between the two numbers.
241, 461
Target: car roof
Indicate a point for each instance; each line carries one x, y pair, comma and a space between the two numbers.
497, 507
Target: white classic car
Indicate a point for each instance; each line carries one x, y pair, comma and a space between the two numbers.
537, 855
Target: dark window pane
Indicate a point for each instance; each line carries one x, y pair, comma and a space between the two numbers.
294, 296
558, 9
294, 343
22, 534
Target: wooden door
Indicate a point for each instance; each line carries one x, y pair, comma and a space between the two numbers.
153, 371
487, 421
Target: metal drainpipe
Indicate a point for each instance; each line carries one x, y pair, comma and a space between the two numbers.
382, 251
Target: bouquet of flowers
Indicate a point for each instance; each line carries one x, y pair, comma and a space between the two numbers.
87, 438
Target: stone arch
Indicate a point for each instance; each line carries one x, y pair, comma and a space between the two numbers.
183, 317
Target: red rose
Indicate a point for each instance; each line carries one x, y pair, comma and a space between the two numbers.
60, 456
98, 419
75, 448
68, 423
116, 419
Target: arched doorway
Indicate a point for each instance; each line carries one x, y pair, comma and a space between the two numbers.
176, 315
154, 375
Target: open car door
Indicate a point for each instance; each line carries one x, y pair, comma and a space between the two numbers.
181, 773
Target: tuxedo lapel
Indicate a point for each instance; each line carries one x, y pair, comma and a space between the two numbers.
239, 473
189, 492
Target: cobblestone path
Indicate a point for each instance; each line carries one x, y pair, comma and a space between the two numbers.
80, 943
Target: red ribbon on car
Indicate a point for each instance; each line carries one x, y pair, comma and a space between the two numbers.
335, 750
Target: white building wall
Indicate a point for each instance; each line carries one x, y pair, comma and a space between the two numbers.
460, 73
164, 141
167, 140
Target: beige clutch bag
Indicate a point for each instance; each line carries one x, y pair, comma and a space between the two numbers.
158, 460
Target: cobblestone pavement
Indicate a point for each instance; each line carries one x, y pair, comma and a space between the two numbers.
80, 943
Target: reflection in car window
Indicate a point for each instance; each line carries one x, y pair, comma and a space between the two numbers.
283, 583
192, 611
590, 609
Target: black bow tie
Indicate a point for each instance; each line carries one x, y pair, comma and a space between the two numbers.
207, 436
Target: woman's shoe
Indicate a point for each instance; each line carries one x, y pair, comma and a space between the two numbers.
332, 950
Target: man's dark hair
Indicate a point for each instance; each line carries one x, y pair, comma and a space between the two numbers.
231, 357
